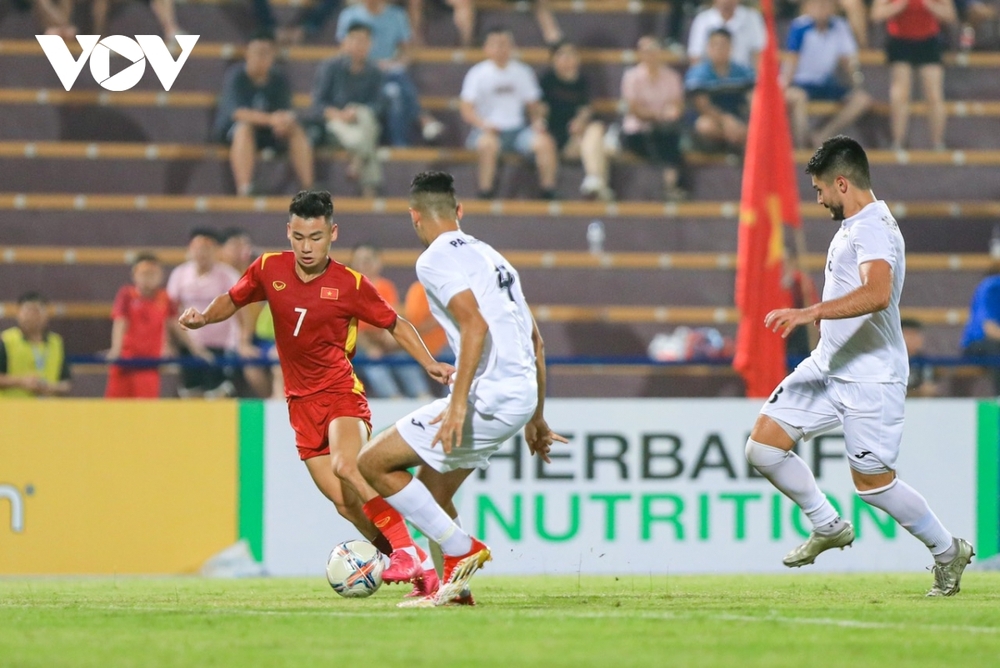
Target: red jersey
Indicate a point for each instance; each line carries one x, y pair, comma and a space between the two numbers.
913, 23
315, 323
147, 320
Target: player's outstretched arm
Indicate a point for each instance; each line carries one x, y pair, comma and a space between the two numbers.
472, 329
875, 294
537, 432
221, 308
408, 338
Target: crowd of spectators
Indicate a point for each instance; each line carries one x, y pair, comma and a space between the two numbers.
366, 96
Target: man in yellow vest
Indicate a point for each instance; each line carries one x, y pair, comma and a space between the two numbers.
32, 361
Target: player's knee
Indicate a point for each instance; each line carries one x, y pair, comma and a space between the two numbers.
764, 456
344, 467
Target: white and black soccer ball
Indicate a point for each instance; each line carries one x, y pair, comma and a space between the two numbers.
354, 569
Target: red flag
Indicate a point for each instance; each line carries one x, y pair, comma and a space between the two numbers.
770, 199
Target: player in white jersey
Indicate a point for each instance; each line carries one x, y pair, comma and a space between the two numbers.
499, 388
855, 378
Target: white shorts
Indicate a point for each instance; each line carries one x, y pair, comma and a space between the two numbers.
482, 436
810, 402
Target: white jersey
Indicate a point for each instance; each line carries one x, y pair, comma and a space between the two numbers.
869, 348
505, 381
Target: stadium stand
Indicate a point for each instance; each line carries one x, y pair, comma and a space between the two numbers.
91, 177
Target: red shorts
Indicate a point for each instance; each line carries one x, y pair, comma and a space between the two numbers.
311, 418
133, 383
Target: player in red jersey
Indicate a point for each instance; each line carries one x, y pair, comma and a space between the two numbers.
142, 315
316, 304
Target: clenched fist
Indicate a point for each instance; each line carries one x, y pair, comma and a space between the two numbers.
192, 319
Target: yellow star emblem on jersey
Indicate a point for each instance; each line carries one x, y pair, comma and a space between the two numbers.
279, 286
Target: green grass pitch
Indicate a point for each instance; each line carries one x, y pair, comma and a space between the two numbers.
796, 619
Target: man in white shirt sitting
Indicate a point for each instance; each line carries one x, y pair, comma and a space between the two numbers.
746, 25
495, 95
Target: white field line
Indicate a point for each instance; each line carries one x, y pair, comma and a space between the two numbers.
547, 613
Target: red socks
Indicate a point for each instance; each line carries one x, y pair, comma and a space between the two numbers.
388, 520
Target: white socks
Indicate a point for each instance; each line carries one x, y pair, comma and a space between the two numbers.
910, 509
417, 505
792, 477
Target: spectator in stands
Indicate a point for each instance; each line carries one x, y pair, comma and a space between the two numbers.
236, 248
255, 112
654, 96
464, 15
921, 382
32, 359
822, 58
390, 31
347, 99
981, 337
56, 16
375, 344
673, 40
746, 26
306, 26
720, 93
237, 251
417, 310
495, 94
142, 320
571, 122
465, 20
856, 12
267, 382
196, 283
914, 41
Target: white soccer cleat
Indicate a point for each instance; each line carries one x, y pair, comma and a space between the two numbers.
807, 552
460, 572
948, 577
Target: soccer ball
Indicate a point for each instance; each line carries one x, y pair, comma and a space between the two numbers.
354, 569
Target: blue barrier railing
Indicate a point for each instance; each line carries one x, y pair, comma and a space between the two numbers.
567, 360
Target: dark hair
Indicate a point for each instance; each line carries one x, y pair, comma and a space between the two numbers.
145, 257
911, 323
373, 247
556, 46
32, 296
207, 232
725, 32
434, 193
312, 204
359, 25
841, 156
232, 233
262, 35
498, 30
